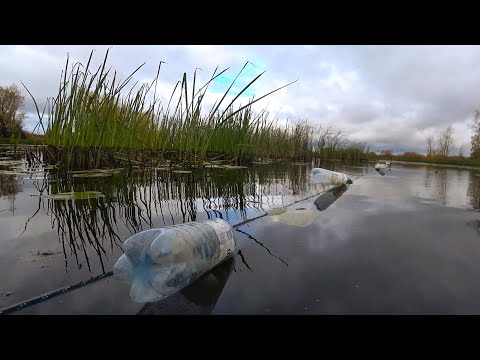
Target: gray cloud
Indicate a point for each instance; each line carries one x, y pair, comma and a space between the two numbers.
390, 96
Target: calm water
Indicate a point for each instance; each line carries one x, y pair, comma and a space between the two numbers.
407, 242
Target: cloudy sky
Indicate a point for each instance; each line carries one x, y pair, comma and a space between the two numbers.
392, 97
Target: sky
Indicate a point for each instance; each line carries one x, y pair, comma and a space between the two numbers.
392, 97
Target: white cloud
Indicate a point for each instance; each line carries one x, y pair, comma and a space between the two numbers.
392, 96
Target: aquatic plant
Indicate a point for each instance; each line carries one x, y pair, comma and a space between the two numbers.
97, 120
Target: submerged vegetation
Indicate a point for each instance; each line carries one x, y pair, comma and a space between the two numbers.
96, 121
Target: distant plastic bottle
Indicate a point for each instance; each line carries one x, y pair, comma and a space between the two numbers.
160, 262
325, 176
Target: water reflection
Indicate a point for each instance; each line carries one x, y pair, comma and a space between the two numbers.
473, 191
259, 243
329, 197
9, 185
199, 298
380, 171
441, 177
133, 201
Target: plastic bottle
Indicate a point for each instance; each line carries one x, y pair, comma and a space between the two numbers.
160, 262
325, 176
198, 298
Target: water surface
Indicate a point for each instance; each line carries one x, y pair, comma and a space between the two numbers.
403, 243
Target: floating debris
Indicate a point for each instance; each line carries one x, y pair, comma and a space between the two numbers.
98, 171
324, 176
79, 195
46, 253
17, 173
214, 166
182, 172
299, 218
6, 293
234, 167
91, 175
160, 262
34, 177
261, 162
10, 162
277, 211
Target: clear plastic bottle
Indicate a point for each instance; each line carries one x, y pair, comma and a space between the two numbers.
198, 298
324, 176
160, 262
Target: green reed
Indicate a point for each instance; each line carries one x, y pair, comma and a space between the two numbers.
97, 120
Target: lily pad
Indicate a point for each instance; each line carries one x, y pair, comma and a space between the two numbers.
33, 177
10, 162
98, 171
46, 253
214, 166
7, 172
261, 162
90, 175
234, 167
277, 211
78, 195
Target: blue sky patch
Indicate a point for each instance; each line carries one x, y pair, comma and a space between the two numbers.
221, 83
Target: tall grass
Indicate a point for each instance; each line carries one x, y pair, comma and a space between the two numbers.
96, 117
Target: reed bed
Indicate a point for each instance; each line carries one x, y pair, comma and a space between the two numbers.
97, 120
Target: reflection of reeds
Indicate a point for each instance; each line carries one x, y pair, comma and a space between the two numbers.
136, 200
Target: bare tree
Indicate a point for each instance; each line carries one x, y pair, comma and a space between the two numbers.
446, 141
430, 150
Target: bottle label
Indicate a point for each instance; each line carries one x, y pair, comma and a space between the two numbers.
225, 236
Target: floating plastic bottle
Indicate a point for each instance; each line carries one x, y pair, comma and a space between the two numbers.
379, 166
324, 176
199, 298
383, 164
161, 262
